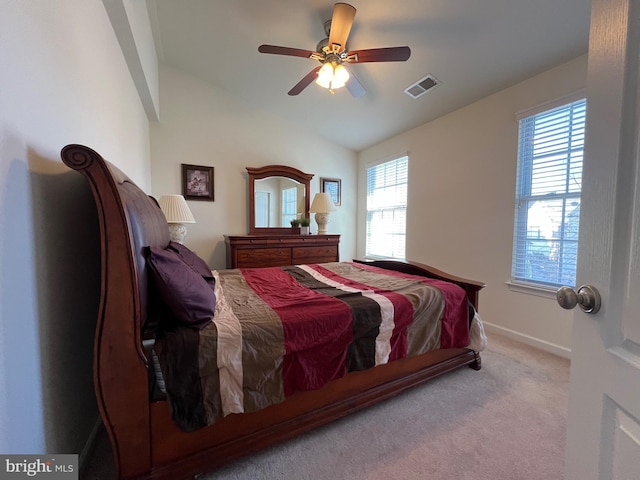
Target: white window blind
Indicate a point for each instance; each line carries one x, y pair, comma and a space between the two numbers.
549, 182
289, 205
387, 209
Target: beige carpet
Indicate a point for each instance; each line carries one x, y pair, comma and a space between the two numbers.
506, 421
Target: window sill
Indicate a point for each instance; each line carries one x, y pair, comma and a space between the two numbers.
529, 289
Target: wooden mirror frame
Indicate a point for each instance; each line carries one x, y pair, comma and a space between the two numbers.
258, 173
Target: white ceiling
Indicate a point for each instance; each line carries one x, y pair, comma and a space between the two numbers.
473, 47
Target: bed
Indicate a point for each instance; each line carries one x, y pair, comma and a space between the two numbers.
155, 433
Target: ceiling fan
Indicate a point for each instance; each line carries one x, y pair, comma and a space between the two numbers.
333, 55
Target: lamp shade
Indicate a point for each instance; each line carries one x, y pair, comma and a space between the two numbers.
325, 75
322, 203
332, 75
175, 209
340, 77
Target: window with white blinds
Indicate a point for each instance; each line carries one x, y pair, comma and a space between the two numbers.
387, 209
289, 205
547, 212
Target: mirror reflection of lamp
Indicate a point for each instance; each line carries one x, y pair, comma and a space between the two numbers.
177, 213
321, 206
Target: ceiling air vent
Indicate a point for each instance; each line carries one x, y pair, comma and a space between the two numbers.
422, 86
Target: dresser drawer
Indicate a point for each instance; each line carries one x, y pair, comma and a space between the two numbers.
263, 257
246, 251
315, 254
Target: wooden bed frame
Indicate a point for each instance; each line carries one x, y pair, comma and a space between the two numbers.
146, 443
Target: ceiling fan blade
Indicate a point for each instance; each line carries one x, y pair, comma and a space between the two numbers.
304, 83
341, 22
390, 54
356, 89
294, 52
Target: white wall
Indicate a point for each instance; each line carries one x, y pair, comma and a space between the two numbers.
202, 125
462, 171
63, 80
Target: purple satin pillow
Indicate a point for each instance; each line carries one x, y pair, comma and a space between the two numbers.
190, 298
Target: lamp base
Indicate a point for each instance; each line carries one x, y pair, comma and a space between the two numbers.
177, 232
322, 219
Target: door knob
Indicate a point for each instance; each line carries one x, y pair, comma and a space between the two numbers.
587, 297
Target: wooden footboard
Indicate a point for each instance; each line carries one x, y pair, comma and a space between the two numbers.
472, 287
177, 454
145, 442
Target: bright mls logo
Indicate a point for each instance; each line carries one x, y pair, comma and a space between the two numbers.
50, 467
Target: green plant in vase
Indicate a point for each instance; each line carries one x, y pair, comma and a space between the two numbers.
304, 226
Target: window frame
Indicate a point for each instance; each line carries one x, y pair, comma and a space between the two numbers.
393, 209
519, 280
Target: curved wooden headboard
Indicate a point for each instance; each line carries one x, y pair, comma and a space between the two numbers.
129, 220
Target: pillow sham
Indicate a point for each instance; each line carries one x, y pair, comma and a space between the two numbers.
185, 292
192, 259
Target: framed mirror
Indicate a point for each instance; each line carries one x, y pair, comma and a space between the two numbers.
277, 194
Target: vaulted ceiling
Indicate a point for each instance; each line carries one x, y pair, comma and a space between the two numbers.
472, 47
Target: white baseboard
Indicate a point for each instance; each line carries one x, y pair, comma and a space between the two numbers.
532, 341
89, 444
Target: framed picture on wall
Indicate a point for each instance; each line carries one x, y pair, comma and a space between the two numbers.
332, 186
197, 182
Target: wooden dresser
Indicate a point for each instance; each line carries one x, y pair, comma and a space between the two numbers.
245, 251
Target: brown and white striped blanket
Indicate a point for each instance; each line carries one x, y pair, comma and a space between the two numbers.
284, 329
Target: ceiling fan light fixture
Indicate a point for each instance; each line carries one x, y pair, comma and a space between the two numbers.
332, 76
340, 76
325, 76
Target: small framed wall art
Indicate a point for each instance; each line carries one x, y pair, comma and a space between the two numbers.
197, 182
332, 186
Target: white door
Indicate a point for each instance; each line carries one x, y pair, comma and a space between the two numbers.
263, 207
604, 400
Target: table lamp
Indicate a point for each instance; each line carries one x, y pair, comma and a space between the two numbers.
321, 206
177, 212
